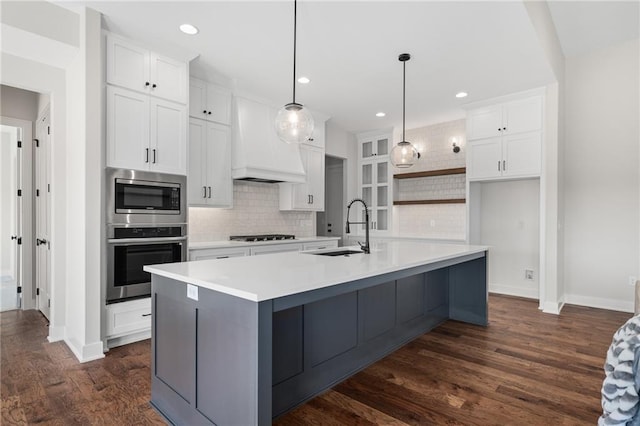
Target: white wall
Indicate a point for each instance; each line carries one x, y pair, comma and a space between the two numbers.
342, 144
602, 185
510, 213
18, 103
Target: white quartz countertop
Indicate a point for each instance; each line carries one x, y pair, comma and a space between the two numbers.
227, 243
271, 276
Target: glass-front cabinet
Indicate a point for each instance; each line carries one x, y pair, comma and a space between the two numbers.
375, 184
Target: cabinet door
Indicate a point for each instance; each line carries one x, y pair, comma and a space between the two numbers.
314, 168
218, 166
168, 78
318, 136
484, 158
275, 248
484, 122
168, 137
300, 192
127, 65
223, 253
197, 182
523, 115
197, 98
127, 129
218, 104
522, 154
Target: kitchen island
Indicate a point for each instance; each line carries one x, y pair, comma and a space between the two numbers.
240, 341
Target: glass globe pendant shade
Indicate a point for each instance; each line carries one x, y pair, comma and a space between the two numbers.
294, 123
404, 155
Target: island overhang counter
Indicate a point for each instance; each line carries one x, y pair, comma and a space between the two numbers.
240, 341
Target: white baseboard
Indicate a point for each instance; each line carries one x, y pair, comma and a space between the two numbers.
55, 334
600, 303
85, 353
553, 307
130, 338
529, 293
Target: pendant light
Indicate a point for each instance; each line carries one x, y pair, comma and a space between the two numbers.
404, 155
294, 123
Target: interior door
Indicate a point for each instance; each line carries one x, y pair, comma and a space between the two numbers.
10, 214
42, 214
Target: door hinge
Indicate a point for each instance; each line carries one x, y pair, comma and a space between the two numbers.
37, 292
19, 144
48, 130
37, 192
19, 192
37, 141
19, 289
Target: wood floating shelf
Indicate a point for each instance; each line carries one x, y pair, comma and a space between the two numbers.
430, 173
445, 201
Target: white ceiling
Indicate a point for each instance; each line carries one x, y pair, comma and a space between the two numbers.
349, 50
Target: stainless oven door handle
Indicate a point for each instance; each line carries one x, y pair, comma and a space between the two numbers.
145, 240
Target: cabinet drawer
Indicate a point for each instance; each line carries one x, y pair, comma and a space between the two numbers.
223, 253
276, 248
320, 245
128, 317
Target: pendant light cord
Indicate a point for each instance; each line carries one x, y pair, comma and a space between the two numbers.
404, 79
295, 21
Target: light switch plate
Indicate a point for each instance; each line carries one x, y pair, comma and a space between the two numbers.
192, 291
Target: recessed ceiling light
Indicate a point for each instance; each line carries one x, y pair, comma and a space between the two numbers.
303, 80
380, 114
189, 29
461, 95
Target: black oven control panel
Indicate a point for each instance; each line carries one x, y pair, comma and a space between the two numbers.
148, 232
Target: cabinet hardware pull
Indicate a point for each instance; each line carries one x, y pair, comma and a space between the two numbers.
209, 113
154, 156
154, 85
146, 159
204, 112
504, 128
498, 165
499, 129
146, 315
504, 165
146, 83
209, 192
204, 192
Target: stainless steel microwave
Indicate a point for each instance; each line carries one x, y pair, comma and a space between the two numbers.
145, 197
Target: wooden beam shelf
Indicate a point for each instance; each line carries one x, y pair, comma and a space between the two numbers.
445, 201
430, 173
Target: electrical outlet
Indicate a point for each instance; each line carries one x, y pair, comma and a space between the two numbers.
528, 274
632, 280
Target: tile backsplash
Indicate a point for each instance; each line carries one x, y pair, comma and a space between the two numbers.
441, 221
256, 210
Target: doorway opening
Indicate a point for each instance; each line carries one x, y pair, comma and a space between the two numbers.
329, 223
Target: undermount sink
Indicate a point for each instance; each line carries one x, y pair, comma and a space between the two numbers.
338, 253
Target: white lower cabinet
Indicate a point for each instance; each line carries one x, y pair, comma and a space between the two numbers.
218, 253
127, 322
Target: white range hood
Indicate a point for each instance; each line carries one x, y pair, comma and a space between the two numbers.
257, 153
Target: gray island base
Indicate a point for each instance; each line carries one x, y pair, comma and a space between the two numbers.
227, 360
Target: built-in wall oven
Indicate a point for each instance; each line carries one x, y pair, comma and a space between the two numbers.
146, 225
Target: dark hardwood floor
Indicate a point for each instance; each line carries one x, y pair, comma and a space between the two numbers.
525, 368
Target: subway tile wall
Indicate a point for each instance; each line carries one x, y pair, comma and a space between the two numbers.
256, 210
440, 221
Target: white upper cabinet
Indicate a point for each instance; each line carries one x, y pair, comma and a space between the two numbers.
375, 183
308, 196
136, 68
504, 140
519, 116
209, 182
209, 102
145, 133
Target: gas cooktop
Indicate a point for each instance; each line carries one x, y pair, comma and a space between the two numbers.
264, 237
